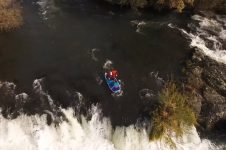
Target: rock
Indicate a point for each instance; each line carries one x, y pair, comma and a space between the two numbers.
198, 57
197, 71
215, 76
205, 82
213, 108
7, 94
210, 5
196, 102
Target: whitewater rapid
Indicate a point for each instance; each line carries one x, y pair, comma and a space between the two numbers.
33, 133
47, 9
74, 131
207, 34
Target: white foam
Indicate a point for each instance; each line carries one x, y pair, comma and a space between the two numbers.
47, 8
221, 18
139, 24
93, 51
223, 35
208, 37
32, 132
38, 89
21, 98
8, 85
108, 64
79, 96
171, 25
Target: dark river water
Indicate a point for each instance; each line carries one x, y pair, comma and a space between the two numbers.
67, 44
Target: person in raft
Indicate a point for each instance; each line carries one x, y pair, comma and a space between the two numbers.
112, 75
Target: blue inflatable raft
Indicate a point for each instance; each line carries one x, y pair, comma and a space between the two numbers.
113, 85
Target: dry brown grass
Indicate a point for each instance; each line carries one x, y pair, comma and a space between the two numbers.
177, 4
174, 115
5, 3
10, 15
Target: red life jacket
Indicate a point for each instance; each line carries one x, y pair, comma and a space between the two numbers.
114, 73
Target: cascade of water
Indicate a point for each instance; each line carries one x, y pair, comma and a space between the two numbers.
95, 133
208, 35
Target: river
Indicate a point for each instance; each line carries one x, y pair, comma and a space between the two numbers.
57, 59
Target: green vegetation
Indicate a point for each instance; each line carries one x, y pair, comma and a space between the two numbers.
10, 15
173, 116
172, 4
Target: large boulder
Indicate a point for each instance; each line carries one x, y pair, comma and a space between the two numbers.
213, 108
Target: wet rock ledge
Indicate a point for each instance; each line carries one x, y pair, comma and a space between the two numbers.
205, 80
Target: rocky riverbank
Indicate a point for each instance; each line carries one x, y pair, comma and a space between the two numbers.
205, 79
218, 6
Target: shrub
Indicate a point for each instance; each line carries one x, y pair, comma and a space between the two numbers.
173, 116
10, 15
172, 4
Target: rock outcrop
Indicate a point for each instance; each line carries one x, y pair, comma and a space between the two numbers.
205, 80
218, 6
211, 5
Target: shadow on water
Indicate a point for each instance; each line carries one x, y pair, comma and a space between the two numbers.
57, 45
